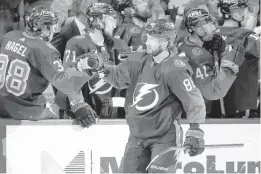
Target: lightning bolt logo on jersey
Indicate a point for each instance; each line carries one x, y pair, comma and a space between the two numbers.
99, 86
145, 96
96, 92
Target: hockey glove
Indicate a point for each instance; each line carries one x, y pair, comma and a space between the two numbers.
90, 61
194, 141
233, 57
84, 114
216, 43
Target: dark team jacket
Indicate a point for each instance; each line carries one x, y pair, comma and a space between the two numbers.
97, 92
213, 84
156, 93
28, 65
243, 93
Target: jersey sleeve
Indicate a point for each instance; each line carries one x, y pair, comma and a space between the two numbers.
120, 75
182, 85
253, 46
213, 85
69, 81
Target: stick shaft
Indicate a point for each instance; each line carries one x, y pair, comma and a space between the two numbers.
213, 146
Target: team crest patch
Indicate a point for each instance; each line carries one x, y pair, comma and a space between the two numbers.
197, 51
179, 63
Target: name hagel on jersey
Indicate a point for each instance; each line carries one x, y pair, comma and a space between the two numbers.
27, 65
97, 92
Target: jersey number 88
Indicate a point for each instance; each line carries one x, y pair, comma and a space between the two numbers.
17, 75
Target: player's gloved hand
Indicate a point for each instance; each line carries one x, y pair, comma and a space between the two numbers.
194, 141
233, 57
216, 43
90, 61
84, 114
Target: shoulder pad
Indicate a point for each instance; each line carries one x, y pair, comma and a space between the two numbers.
47, 49
134, 30
55, 55
80, 37
180, 64
82, 40
50, 46
77, 38
13, 34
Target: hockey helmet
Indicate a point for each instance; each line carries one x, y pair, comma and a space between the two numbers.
38, 18
196, 17
161, 28
99, 9
227, 5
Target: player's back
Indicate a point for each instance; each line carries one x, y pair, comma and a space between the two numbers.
22, 83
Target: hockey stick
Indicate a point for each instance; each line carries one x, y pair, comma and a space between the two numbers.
214, 146
222, 106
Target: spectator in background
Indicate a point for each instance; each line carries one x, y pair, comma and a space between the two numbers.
74, 28
10, 13
29, 4
62, 8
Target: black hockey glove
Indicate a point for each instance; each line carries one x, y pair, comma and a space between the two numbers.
194, 141
90, 61
84, 114
233, 57
216, 43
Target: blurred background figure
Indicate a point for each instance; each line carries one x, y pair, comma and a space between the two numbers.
10, 15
